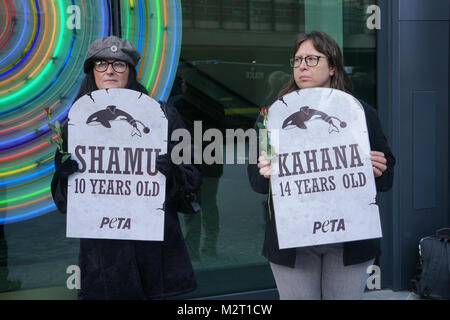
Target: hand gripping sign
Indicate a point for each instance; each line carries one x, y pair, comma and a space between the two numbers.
116, 135
323, 184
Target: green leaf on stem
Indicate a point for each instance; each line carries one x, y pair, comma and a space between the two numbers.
271, 156
263, 142
52, 126
65, 157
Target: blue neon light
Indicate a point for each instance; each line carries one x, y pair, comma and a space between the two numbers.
49, 168
172, 62
31, 48
22, 35
29, 214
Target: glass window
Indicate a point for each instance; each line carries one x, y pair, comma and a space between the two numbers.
234, 60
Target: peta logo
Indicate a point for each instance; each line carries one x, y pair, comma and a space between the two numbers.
116, 223
329, 225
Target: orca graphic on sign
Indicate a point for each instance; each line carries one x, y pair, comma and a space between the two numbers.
112, 113
305, 114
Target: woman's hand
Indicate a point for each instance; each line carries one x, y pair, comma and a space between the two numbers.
265, 168
378, 163
67, 168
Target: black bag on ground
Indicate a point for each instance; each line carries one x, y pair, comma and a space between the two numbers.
434, 261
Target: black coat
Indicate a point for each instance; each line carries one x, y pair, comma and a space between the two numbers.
129, 269
355, 251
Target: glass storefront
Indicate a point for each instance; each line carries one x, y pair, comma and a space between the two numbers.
217, 61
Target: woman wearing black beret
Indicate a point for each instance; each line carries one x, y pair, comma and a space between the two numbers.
129, 269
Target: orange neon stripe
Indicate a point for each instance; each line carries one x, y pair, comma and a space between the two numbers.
40, 107
36, 54
29, 41
145, 43
23, 124
17, 155
163, 52
12, 26
51, 42
12, 88
28, 44
25, 203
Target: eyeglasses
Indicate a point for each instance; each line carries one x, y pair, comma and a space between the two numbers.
118, 66
311, 61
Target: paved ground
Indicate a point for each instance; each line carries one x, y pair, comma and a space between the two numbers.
390, 295
62, 293
224, 244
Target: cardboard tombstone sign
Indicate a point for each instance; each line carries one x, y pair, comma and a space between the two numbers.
116, 135
322, 183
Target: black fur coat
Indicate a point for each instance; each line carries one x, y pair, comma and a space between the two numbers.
129, 269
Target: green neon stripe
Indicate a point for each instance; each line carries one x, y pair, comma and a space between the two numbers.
158, 36
61, 28
27, 183
29, 87
29, 195
37, 79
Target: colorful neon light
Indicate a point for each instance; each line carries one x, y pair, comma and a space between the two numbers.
28, 48
28, 122
26, 196
48, 175
158, 35
42, 66
21, 36
175, 52
29, 214
9, 22
4, 171
161, 45
26, 203
47, 71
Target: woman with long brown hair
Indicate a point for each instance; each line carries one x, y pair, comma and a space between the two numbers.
332, 271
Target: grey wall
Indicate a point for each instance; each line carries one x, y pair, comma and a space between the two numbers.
413, 67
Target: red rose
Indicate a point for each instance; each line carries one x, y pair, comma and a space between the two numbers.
264, 111
47, 110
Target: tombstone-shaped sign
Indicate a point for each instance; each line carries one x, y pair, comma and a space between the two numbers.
322, 184
116, 135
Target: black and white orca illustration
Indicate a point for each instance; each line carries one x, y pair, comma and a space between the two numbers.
112, 113
305, 114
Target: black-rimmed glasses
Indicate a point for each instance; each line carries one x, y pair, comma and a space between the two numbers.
311, 61
118, 66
